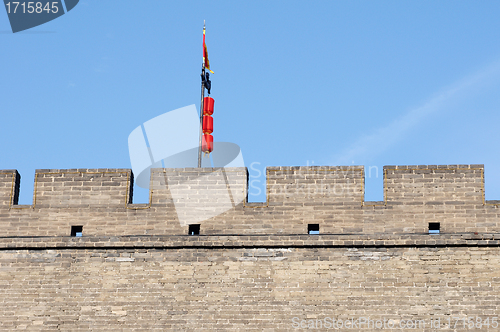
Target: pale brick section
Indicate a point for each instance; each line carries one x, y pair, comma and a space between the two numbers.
341, 185
447, 184
160, 194
198, 196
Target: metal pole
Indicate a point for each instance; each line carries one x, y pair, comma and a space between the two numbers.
201, 111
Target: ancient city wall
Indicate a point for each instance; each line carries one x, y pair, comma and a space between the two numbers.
333, 197
253, 267
238, 284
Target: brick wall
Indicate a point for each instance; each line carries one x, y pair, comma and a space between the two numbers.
103, 284
99, 200
253, 267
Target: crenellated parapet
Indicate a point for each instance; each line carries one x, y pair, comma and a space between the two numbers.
71, 188
100, 200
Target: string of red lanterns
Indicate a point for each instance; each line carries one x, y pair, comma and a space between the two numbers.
208, 125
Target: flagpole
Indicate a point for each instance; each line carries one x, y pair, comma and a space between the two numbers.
201, 111
202, 98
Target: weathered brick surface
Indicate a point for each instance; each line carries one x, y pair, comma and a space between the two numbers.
339, 185
243, 289
253, 268
434, 185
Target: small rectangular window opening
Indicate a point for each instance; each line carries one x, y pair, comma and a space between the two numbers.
434, 228
313, 229
194, 230
77, 231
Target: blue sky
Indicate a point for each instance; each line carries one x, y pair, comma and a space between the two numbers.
296, 83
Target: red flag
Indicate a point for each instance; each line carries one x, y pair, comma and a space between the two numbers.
205, 53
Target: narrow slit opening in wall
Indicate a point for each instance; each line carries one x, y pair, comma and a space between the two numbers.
313, 229
257, 183
77, 231
374, 184
26, 188
194, 230
140, 195
490, 188
434, 228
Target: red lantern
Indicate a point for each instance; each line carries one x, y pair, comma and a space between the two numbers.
208, 143
208, 106
208, 124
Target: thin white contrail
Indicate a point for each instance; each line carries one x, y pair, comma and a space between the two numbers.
383, 137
